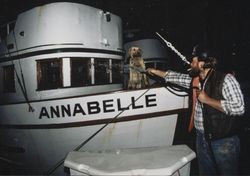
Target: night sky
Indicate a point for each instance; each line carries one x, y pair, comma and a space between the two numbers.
220, 24
223, 25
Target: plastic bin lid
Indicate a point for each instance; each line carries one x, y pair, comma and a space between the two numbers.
138, 161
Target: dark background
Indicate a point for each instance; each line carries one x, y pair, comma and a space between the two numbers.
223, 25
220, 24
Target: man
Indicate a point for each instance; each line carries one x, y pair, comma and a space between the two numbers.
219, 103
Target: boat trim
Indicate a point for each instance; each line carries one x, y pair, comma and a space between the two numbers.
38, 46
59, 50
52, 99
93, 122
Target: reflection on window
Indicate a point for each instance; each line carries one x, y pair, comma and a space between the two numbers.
80, 72
9, 78
102, 71
116, 71
49, 74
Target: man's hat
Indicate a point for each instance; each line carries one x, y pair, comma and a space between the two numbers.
204, 54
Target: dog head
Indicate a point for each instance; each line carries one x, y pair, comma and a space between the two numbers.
134, 52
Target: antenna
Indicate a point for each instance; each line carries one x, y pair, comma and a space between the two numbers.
183, 58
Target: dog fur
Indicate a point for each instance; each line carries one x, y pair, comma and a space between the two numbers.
137, 80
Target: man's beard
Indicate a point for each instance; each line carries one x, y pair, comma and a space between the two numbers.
194, 72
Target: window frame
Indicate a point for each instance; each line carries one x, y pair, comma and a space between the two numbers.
9, 77
40, 85
87, 62
90, 63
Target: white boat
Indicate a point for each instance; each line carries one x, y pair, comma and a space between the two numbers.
61, 82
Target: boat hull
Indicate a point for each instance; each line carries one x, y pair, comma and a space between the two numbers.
130, 119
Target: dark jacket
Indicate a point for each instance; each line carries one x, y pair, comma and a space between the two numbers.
216, 123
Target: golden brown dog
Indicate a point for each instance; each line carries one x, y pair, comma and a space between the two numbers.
137, 79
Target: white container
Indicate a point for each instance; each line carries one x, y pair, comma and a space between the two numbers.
167, 160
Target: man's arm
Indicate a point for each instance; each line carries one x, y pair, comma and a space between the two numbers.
233, 102
159, 73
180, 79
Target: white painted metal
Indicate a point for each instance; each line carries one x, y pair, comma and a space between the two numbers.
67, 25
136, 161
42, 143
66, 73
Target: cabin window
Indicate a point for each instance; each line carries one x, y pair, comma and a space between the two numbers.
102, 71
116, 71
49, 74
3, 32
11, 26
9, 79
5, 29
80, 72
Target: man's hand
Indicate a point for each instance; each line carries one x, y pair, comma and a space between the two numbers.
151, 71
204, 98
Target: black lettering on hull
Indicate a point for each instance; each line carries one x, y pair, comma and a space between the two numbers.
97, 107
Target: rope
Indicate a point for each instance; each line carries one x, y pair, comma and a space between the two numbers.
23, 88
50, 171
